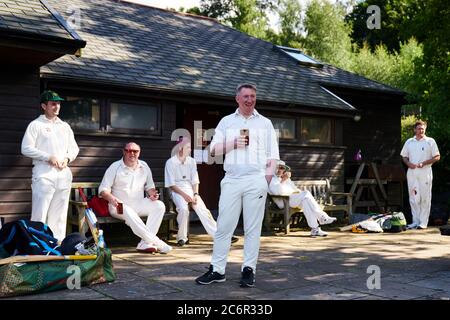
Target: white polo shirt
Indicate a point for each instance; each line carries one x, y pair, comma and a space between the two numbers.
44, 138
181, 174
420, 150
285, 188
263, 145
126, 183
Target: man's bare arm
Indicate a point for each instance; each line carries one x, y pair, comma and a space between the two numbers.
436, 158
270, 169
224, 148
110, 198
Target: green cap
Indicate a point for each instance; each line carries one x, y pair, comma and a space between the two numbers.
49, 95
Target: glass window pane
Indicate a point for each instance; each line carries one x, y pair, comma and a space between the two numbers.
81, 113
132, 116
316, 130
285, 128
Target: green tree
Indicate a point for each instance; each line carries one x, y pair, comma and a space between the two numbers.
249, 16
433, 26
395, 69
290, 20
327, 34
407, 130
396, 18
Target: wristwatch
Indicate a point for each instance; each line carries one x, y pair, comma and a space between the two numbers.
195, 193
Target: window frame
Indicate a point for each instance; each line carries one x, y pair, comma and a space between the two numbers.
308, 143
128, 131
101, 101
285, 117
105, 115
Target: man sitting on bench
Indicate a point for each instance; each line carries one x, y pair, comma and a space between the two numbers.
181, 177
123, 186
282, 184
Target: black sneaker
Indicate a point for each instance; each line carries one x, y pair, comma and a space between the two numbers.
248, 278
234, 239
210, 277
182, 243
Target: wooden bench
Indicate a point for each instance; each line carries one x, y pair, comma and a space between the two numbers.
276, 218
77, 207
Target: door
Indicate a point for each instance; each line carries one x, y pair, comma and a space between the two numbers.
210, 174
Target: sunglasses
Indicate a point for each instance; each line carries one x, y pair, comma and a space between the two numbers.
131, 151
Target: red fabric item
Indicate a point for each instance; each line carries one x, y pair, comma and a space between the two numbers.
99, 206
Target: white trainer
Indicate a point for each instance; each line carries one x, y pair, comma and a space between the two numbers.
327, 219
317, 232
164, 247
146, 247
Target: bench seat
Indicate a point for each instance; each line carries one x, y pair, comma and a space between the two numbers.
276, 218
77, 208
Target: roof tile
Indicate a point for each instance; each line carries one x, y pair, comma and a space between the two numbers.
168, 50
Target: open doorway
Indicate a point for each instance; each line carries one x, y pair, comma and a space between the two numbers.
210, 174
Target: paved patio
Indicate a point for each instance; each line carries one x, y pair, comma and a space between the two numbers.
414, 265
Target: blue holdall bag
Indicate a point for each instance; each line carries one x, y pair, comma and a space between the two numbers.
25, 237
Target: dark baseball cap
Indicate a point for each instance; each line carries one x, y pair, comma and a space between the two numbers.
49, 95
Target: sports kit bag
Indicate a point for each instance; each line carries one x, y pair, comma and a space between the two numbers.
395, 223
25, 237
37, 277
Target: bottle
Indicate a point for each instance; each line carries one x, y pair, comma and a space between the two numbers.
101, 240
358, 156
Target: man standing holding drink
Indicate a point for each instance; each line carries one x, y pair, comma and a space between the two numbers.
249, 143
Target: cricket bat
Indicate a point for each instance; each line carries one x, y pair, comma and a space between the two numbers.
37, 258
349, 227
90, 217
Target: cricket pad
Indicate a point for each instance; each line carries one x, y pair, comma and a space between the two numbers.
38, 277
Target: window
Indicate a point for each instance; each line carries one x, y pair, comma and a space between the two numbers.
299, 56
101, 115
81, 113
285, 127
316, 130
128, 116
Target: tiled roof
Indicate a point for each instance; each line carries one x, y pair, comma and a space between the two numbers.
139, 46
30, 16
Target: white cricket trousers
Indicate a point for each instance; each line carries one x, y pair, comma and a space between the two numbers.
203, 213
247, 194
132, 211
50, 197
311, 209
420, 181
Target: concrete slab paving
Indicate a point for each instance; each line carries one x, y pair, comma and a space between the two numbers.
313, 292
389, 290
413, 265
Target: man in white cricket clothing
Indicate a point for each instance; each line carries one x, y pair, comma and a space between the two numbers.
181, 177
128, 184
419, 153
282, 184
250, 145
51, 144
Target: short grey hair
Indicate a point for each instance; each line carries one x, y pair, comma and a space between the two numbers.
245, 85
131, 142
